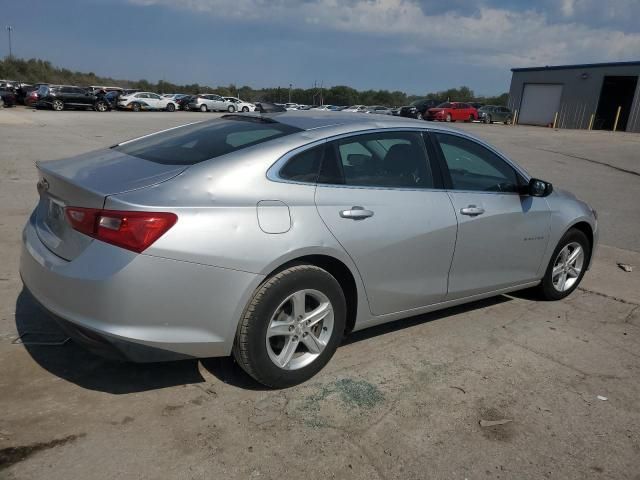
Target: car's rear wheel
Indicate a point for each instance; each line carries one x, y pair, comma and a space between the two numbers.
487, 119
57, 105
136, 107
567, 266
292, 326
245, 109
508, 121
471, 118
203, 108
231, 109
448, 118
171, 107
101, 106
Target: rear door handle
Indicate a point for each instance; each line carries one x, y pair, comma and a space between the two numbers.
356, 213
472, 210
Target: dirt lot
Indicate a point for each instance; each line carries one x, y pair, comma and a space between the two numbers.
403, 400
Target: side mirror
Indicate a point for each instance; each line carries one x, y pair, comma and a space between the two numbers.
539, 188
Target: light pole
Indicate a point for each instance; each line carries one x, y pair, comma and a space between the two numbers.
290, 85
10, 29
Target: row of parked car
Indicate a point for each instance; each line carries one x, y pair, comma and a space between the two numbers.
102, 99
425, 109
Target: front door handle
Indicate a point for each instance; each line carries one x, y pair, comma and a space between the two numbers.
472, 210
356, 213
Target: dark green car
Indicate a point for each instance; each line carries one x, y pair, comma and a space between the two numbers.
494, 113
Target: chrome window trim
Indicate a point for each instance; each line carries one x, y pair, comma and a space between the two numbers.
273, 172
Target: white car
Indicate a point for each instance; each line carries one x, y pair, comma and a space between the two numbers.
356, 109
210, 102
240, 105
322, 107
291, 106
146, 101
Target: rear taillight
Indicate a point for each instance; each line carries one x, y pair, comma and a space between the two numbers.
135, 231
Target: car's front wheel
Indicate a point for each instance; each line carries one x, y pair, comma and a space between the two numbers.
245, 109
203, 108
292, 326
57, 105
487, 119
231, 109
567, 266
101, 106
171, 107
136, 107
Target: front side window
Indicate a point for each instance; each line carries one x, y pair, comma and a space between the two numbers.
476, 168
386, 159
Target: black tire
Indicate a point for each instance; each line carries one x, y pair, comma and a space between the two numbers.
101, 106
487, 119
245, 109
171, 107
136, 107
471, 119
203, 108
508, 121
231, 109
546, 289
448, 118
250, 349
57, 105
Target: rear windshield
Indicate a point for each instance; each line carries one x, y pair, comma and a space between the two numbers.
196, 143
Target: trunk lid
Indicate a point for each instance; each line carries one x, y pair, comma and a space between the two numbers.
85, 181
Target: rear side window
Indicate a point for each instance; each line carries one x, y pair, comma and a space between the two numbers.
196, 143
386, 159
304, 166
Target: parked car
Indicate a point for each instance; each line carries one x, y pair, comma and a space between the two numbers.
146, 101
59, 97
321, 107
267, 107
356, 109
240, 105
494, 113
304, 107
291, 106
112, 98
452, 111
211, 102
137, 259
174, 96
417, 108
31, 98
476, 105
183, 103
9, 98
379, 109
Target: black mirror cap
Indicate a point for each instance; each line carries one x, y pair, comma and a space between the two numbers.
539, 188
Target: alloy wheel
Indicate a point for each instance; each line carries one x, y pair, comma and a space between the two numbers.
567, 267
300, 329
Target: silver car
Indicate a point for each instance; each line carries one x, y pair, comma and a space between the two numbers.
211, 103
270, 237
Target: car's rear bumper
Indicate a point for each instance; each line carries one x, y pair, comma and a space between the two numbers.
135, 306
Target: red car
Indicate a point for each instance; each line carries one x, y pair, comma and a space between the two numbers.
31, 98
452, 111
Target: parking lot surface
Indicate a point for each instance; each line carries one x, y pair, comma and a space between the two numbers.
405, 400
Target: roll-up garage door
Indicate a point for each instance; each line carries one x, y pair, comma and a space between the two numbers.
540, 102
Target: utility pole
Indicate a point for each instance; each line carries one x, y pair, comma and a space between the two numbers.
10, 29
290, 86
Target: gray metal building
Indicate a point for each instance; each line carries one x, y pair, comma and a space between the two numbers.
575, 93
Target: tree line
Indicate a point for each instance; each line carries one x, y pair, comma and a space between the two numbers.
36, 70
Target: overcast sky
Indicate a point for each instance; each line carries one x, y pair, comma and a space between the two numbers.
415, 46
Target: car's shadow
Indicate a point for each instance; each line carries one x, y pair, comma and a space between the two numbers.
73, 363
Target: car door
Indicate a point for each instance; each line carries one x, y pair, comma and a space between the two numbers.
502, 235
378, 193
156, 101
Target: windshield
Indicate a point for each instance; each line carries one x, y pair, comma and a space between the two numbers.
196, 143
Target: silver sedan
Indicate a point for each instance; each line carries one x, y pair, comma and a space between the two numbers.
270, 237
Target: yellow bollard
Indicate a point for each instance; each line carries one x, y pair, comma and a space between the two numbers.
555, 120
593, 116
615, 124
